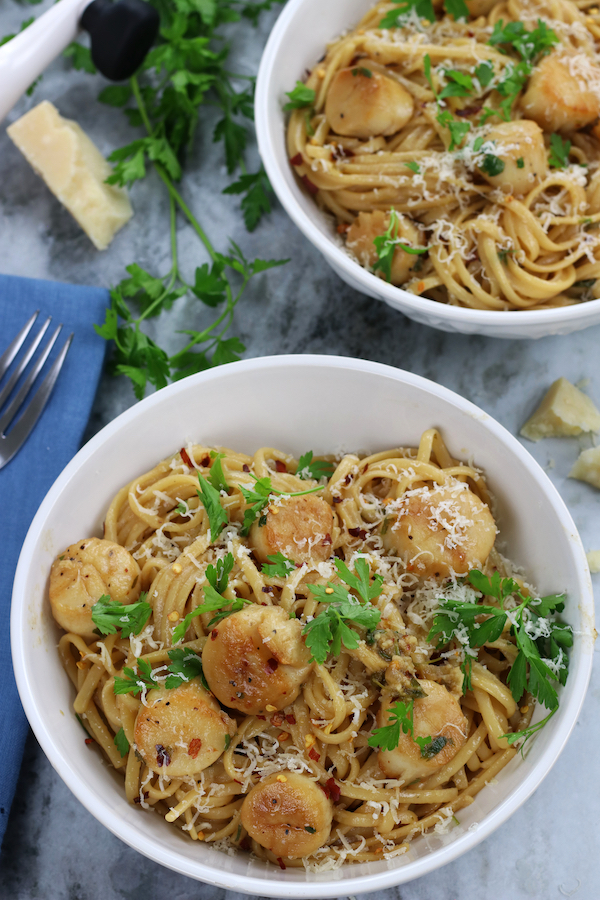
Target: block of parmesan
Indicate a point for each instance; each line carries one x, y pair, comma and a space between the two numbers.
593, 558
74, 170
564, 411
587, 467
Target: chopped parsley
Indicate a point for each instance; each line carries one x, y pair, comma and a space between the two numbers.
360, 70
281, 566
413, 166
395, 18
386, 244
185, 665
216, 476
108, 615
457, 129
541, 642
210, 498
492, 165
121, 742
484, 73
559, 152
308, 467
460, 84
401, 720
329, 630
300, 97
259, 497
218, 579
520, 163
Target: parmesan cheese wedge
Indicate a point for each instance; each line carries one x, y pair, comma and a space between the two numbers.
587, 467
74, 170
564, 411
593, 558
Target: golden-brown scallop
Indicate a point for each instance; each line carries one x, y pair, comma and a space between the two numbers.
558, 100
364, 106
441, 530
256, 658
438, 716
520, 146
369, 225
288, 814
298, 527
182, 730
83, 573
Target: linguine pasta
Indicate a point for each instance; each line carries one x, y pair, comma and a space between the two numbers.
475, 158
272, 748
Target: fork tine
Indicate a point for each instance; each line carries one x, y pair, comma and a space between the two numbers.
20, 367
19, 434
11, 351
15, 405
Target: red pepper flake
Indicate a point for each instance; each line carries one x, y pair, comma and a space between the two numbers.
271, 666
245, 468
280, 465
205, 462
290, 718
163, 757
267, 589
309, 185
365, 468
343, 228
348, 478
277, 720
194, 747
263, 718
469, 111
358, 532
281, 863
90, 741
184, 455
327, 539
296, 160
314, 754
337, 499
213, 635
245, 844
334, 790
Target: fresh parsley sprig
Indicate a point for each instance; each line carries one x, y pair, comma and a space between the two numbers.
218, 578
185, 665
457, 129
300, 97
309, 468
187, 69
280, 566
559, 152
401, 716
386, 244
121, 742
259, 496
541, 642
210, 497
329, 630
109, 615
131, 682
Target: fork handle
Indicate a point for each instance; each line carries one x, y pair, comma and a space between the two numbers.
25, 57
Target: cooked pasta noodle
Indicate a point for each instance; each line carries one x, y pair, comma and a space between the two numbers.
506, 224
271, 752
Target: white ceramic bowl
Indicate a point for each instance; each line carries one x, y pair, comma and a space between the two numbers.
295, 403
297, 41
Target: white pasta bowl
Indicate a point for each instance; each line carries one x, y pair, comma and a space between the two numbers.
297, 41
294, 403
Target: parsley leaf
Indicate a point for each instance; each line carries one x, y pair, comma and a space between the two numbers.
430, 747
457, 129
559, 152
413, 166
360, 70
457, 8
484, 73
256, 188
515, 736
185, 665
395, 17
401, 720
259, 496
281, 566
492, 165
314, 468
218, 575
460, 84
135, 682
121, 742
210, 498
385, 244
109, 615
300, 97
328, 631
216, 476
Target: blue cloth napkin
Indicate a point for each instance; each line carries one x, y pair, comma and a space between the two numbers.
29, 475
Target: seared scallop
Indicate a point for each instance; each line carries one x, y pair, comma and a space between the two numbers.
437, 716
367, 226
85, 572
521, 149
298, 527
558, 100
288, 814
441, 531
182, 731
366, 105
256, 658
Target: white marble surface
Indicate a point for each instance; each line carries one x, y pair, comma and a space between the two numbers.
54, 848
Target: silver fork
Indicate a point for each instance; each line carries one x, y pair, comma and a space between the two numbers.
11, 442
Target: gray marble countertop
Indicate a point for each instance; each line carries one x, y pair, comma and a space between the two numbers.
53, 847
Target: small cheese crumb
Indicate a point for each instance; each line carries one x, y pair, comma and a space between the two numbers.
74, 170
593, 558
587, 467
564, 411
